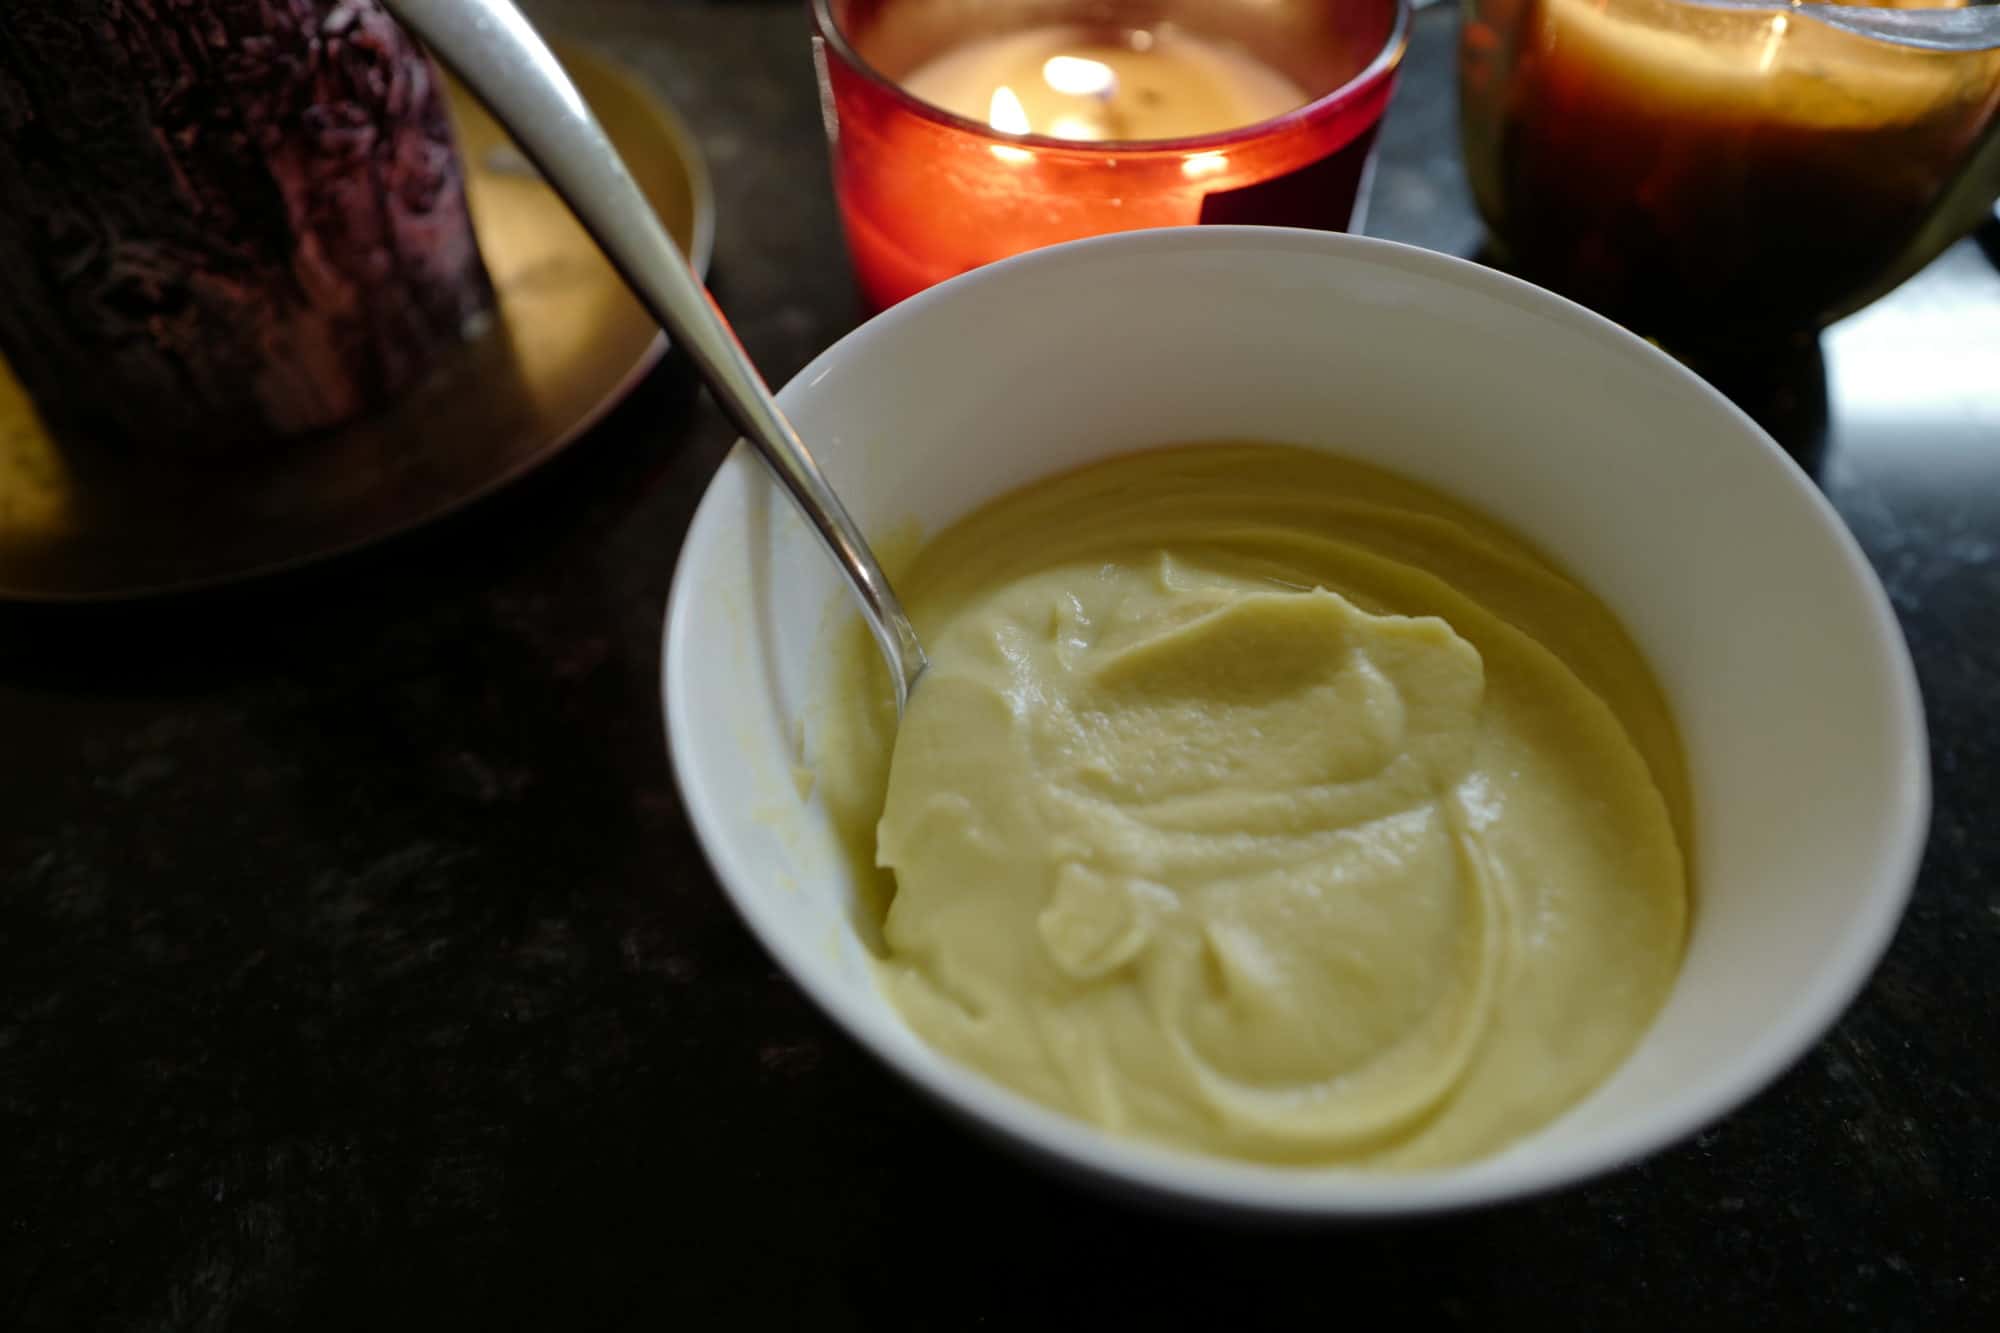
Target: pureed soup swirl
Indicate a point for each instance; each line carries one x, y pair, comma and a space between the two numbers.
1265, 804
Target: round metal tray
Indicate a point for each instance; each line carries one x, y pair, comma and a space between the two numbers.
82, 522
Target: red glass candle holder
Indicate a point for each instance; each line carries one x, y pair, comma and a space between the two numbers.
925, 194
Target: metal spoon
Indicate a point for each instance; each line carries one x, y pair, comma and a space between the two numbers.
497, 53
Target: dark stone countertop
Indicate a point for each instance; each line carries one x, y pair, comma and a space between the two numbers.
358, 968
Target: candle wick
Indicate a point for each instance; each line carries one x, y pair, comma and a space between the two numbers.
1092, 82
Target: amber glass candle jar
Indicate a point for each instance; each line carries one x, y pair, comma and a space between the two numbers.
1720, 174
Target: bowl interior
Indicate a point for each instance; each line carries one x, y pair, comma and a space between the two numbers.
1770, 635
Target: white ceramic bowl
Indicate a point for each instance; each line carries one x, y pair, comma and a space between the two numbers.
1774, 642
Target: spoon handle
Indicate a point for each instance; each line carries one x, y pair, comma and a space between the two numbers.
493, 48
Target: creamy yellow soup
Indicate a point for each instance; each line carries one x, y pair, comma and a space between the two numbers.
1264, 804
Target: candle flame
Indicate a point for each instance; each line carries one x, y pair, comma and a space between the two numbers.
1204, 164
1770, 57
1005, 112
1079, 76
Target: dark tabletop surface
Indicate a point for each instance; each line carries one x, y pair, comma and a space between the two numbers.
358, 966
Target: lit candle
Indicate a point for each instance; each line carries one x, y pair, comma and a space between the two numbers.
1721, 180
957, 146
1059, 82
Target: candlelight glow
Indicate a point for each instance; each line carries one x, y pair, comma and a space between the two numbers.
1770, 57
1005, 112
1078, 76
1205, 164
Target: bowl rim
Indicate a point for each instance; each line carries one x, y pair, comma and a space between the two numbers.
1334, 1192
